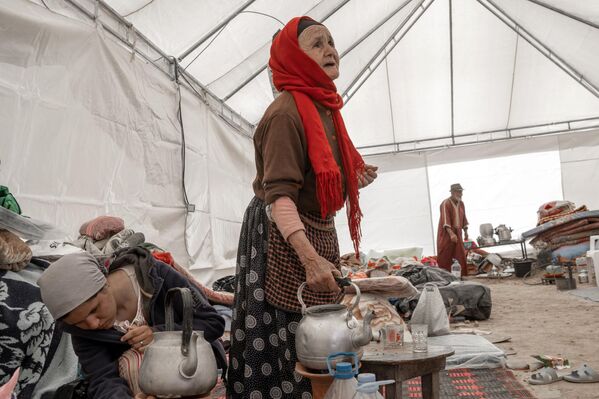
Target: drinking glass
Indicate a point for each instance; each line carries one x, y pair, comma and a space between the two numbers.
419, 337
392, 336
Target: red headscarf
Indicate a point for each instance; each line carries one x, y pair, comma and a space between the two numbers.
295, 72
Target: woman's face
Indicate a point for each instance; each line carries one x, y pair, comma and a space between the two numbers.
316, 41
97, 313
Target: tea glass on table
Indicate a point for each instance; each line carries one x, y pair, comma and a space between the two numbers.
419, 337
392, 334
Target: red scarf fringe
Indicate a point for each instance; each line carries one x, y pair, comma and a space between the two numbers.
297, 73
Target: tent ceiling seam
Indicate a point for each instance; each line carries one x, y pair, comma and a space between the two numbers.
565, 13
509, 110
541, 47
368, 70
263, 67
215, 29
451, 68
390, 99
139, 9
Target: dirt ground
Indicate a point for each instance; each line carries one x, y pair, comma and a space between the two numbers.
542, 320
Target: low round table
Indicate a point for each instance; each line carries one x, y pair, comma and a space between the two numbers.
403, 364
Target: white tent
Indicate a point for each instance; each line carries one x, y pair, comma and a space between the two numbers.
145, 109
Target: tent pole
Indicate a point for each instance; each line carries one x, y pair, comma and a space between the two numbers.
215, 29
540, 46
565, 13
471, 143
350, 48
451, 68
368, 70
490, 132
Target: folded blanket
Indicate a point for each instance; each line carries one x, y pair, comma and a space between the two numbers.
389, 286
102, 227
14, 253
384, 312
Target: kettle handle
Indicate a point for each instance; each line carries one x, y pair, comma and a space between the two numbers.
187, 301
301, 301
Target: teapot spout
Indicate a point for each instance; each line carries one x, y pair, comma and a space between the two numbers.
363, 337
189, 364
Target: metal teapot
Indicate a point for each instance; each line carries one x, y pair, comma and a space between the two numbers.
325, 329
504, 233
178, 363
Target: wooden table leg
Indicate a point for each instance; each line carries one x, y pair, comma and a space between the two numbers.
393, 391
430, 386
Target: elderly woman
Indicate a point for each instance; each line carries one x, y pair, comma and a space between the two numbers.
306, 169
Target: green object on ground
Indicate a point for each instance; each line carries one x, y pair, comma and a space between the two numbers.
8, 201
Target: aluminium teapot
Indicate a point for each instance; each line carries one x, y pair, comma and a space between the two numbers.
326, 329
504, 233
178, 363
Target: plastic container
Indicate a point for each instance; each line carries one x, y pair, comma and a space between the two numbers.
456, 269
344, 384
370, 390
522, 267
366, 378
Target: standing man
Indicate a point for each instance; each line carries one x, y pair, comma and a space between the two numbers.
452, 221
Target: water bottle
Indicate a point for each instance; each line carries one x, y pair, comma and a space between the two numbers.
370, 390
456, 269
366, 378
344, 384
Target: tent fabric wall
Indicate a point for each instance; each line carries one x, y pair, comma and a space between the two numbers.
504, 184
580, 168
89, 129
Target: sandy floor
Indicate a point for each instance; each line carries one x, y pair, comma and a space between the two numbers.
542, 320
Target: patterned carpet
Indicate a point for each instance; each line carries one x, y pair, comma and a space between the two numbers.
469, 383
457, 384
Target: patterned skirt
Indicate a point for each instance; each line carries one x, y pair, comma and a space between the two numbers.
262, 356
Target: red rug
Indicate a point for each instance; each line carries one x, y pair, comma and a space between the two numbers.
455, 384
470, 383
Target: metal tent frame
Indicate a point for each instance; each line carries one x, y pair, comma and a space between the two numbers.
102, 14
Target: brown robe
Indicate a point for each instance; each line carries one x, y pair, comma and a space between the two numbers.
453, 215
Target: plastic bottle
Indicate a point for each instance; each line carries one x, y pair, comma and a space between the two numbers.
344, 384
370, 390
366, 378
456, 269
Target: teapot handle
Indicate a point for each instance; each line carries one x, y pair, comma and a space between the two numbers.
187, 301
301, 301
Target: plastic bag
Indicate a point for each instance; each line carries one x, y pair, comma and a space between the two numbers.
430, 310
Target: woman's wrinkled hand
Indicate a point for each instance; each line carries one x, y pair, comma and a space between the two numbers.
144, 396
320, 275
139, 337
367, 176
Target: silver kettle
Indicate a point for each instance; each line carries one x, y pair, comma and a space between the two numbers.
326, 329
178, 363
504, 233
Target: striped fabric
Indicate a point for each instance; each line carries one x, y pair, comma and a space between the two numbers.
129, 365
284, 271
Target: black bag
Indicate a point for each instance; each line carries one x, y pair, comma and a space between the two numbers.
474, 297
